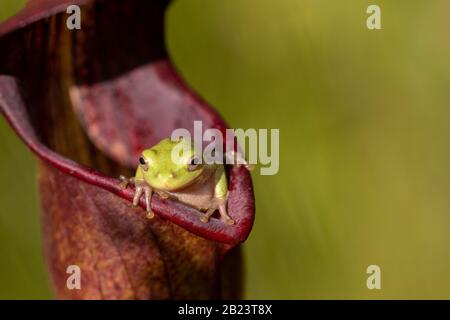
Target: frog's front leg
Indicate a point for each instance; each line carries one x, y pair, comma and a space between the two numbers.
141, 187
223, 211
221, 205
220, 197
148, 200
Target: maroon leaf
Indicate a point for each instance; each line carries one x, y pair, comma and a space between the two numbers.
87, 102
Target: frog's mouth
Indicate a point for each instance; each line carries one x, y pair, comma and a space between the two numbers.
171, 186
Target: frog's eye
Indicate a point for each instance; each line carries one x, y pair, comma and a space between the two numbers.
193, 163
143, 163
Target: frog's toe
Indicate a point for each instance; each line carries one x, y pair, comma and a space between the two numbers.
150, 215
163, 195
224, 214
207, 215
229, 221
124, 182
123, 185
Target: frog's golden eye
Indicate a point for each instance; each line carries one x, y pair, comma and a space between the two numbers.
143, 163
194, 163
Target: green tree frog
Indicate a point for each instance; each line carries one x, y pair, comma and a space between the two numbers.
191, 181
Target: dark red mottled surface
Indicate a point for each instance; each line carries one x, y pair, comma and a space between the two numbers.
86, 102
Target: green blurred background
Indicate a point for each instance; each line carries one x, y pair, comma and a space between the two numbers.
364, 128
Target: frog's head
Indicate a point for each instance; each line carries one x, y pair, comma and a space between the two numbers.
163, 171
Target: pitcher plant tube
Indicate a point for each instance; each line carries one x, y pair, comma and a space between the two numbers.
87, 102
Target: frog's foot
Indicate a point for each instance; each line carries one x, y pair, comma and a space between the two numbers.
142, 188
163, 195
223, 212
124, 182
220, 204
208, 214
